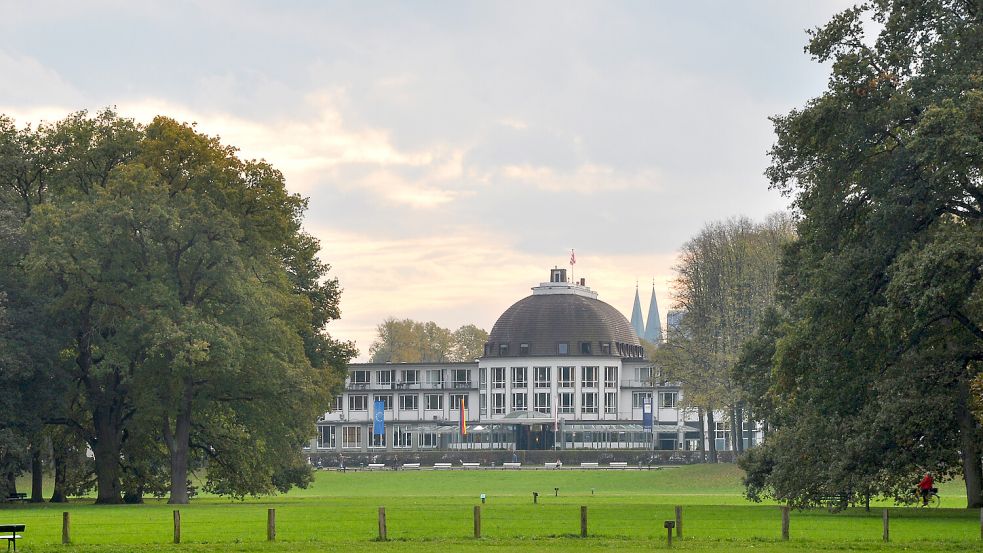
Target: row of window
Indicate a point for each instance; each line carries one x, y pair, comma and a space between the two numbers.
352, 437
387, 377
519, 402
542, 377
563, 348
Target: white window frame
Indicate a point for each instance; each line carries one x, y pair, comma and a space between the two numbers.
412, 398
519, 377
588, 402
638, 399
498, 378
520, 401
455, 400
610, 377
350, 433
543, 372
610, 402
498, 404
668, 400
565, 403
428, 402
358, 402
542, 402
327, 437
402, 437
588, 377
565, 377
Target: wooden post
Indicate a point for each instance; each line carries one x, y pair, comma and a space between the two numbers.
785, 522
271, 525
981, 523
583, 521
668, 536
177, 526
887, 530
382, 524
477, 521
679, 521
66, 528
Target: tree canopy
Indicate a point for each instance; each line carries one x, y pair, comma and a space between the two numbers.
867, 365
409, 341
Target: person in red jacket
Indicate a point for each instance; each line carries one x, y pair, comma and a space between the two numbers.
925, 487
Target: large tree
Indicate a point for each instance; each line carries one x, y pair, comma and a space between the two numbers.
725, 281
409, 341
194, 304
867, 364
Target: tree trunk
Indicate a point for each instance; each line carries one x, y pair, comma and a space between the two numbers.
58, 459
178, 445
712, 432
106, 449
11, 483
703, 437
37, 475
749, 415
735, 429
970, 446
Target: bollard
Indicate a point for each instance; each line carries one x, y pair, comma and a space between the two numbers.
535, 497
679, 521
177, 526
887, 530
668, 525
382, 524
66, 528
583, 521
785, 522
556, 492
271, 525
477, 521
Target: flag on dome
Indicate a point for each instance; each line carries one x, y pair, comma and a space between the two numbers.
573, 258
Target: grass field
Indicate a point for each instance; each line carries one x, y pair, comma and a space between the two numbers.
432, 511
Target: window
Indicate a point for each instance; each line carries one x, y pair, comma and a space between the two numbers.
351, 436
588, 377
428, 439
542, 377
667, 399
402, 437
564, 402
483, 402
588, 402
409, 402
503, 350
387, 401
498, 377
643, 375
610, 402
610, 377
360, 378
461, 378
720, 433
561, 348
523, 349
326, 437
456, 400
606, 348
358, 402
435, 378
585, 348
482, 377
377, 440
520, 402
498, 404
638, 399
339, 403
518, 377
543, 402
565, 375
434, 402
411, 377
385, 378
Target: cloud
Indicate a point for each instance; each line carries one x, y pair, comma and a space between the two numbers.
27, 81
586, 179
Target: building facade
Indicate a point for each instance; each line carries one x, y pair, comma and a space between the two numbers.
561, 370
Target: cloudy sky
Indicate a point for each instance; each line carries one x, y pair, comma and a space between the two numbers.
453, 151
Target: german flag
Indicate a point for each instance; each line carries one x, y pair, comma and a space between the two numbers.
464, 420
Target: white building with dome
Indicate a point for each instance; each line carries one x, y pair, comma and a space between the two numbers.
562, 370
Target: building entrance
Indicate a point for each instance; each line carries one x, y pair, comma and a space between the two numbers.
534, 437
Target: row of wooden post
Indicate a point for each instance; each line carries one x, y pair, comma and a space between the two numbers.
66, 524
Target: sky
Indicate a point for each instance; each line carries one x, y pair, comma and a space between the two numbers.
453, 152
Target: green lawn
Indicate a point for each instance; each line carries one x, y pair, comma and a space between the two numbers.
432, 511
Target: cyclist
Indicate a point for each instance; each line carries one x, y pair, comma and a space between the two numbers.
925, 487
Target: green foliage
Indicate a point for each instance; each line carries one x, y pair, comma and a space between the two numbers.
865, 367
409, 341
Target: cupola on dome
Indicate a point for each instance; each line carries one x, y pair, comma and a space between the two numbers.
562, 318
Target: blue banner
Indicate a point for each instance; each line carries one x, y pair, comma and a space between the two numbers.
378, 418
647, 414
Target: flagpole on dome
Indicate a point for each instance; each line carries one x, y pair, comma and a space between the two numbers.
573, 261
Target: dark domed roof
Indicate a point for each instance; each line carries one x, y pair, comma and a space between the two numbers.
538, 324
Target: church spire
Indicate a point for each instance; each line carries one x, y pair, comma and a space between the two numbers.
653, 327
636, 315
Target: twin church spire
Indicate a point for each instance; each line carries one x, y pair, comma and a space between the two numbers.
650, 330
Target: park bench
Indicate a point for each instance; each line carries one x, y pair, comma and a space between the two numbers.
9, 532
588, 465
376, 466
470, 465
411, 465
437, 466
618, 465
17, 497
511, 465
